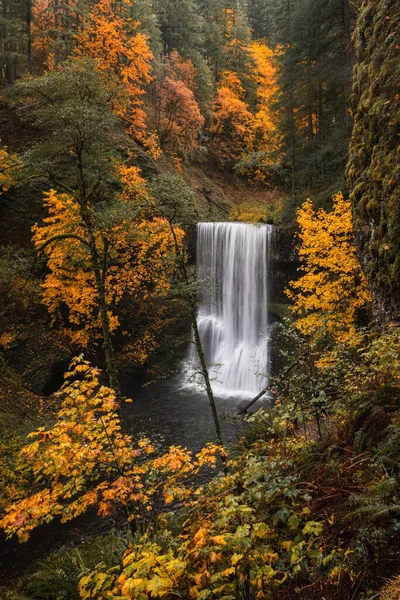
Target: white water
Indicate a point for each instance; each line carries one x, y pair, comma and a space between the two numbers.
232, 267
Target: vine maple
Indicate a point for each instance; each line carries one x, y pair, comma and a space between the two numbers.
136, 254
86, 460
332, 288
111, 39
233, 123
265, 78
178, 114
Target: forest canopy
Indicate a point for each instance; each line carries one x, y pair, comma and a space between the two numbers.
125, 127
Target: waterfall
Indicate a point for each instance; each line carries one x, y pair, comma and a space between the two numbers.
232, 268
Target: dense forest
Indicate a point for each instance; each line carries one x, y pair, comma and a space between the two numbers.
124, 124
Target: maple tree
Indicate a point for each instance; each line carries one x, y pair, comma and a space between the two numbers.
135, 256
10, 166
265, 79
332, 288
178, 114
77, 110
86, 460
111, 39
233, 123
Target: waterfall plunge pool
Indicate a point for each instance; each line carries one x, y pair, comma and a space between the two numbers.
233, 269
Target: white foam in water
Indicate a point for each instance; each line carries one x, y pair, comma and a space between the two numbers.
232, 268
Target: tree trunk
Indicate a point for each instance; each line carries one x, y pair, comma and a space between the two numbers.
206, 377
199, 347
99, 275
29, 34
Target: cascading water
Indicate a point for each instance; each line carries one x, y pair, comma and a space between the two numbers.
232, 267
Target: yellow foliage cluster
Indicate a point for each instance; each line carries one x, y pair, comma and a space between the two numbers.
232, 126
85, 460
10, 164
109, 36
225, 549
236, 129
139, 254
332, 288
265, 78
248, 212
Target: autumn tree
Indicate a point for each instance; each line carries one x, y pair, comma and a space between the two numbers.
137, 263
85, 460
178, 114
121, 55
144, 13
265, 78
262, 162
72, 109
332, 289
55, 25
101, 245
233, 123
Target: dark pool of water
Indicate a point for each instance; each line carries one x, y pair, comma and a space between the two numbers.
181, 416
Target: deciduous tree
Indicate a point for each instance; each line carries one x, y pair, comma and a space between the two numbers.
178, 114
233, 123
332, 288
85, 460
110, 38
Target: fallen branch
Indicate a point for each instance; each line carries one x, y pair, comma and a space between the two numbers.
269, 386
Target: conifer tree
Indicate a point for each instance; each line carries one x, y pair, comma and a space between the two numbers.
15, 30
314, 77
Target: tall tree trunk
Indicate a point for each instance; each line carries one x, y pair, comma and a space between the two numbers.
321, 129
99, 275
29, 34
291, 106
180, 254
103, 312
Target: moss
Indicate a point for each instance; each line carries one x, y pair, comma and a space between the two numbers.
373, 168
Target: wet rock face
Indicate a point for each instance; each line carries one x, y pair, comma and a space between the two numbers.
284, 264
374, 163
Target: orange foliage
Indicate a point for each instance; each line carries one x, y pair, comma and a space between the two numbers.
179, 117
86, 460
110, 38
53, 27
180, 69
140, 258
332, 288
265, 78
233, 123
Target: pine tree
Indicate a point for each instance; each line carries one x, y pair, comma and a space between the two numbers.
15, 31
144, 11
182, 27
314, 79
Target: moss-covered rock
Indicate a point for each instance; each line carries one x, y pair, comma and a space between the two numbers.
374, 165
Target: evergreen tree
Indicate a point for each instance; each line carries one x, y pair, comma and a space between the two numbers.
182, 27
15, 31
315, 75
144, 11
